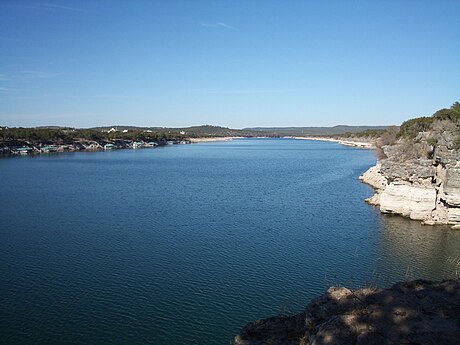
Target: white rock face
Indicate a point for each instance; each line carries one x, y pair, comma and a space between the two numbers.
453, 215
433, 200
374, 200
414, 201
451, 190
426, 188
374, 178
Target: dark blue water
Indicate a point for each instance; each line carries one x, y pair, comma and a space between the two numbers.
186, 244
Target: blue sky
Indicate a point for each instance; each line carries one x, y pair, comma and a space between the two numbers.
229, 63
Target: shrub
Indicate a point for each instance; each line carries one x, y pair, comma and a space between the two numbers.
452, 114
432, 141
410, 129
380, 153
389, 136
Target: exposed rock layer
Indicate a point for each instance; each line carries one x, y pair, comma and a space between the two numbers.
418, 312
421, 189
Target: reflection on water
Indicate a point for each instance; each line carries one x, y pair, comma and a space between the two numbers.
409, 250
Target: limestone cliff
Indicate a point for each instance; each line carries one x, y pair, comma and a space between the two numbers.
418, 312
418, 175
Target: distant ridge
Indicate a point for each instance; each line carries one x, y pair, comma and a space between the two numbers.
195, 131
253, 131
213, 131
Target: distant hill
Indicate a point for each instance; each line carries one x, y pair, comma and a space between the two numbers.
52, 127
213, 131
194, 131
315, 131
163, 133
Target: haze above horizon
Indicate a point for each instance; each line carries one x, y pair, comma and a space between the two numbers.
229, 63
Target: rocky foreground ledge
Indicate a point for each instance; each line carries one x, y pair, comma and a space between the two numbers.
417, 312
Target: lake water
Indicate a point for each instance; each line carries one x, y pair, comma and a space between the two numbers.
186, 244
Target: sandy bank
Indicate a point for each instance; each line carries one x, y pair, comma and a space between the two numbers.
351, 143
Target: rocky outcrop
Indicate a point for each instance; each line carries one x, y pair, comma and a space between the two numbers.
426, 189
418, 312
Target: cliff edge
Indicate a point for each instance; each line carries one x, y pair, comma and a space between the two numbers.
417, 312
418, 171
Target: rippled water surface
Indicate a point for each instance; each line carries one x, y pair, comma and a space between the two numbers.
185, 244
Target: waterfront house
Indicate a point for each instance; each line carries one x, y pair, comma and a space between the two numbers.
47, 149
138, 144
24, 150
109, 147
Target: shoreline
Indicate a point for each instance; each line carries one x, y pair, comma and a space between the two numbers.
414, 197
24, 148
407, 189
350, 143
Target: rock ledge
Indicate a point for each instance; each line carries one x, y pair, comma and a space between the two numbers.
417, 312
